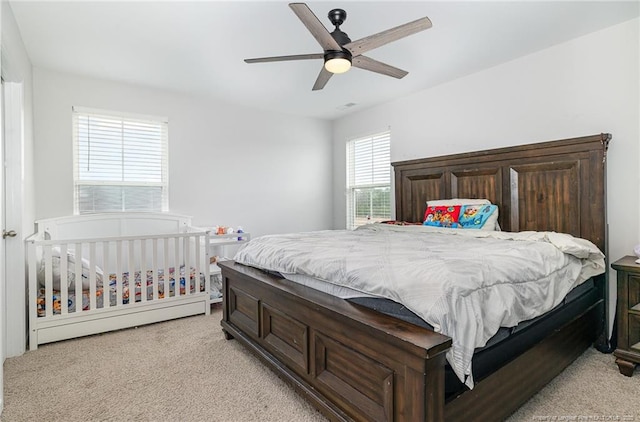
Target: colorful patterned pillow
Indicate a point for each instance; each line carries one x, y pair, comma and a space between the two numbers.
442, 216
475, 216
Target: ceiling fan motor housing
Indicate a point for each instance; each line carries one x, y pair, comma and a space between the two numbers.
343, 54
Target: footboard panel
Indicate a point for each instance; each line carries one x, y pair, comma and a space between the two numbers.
350, 362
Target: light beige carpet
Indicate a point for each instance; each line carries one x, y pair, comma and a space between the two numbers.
184, 370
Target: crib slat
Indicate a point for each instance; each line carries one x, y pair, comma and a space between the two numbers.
154, 267
176, 266
92, 276
167, 281
78, 277
133, 282
106, 292
118, 274
187, 265
196, 277
64, 280
143, 270
48, 281
132, 274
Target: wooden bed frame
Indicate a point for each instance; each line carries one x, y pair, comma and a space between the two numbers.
353, 363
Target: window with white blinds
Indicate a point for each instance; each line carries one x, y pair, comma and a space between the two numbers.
120, 162
368, 179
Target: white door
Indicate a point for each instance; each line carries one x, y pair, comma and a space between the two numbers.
12, 273
3, 284
12, 256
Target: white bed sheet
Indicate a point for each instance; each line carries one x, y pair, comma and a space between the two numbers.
465, 283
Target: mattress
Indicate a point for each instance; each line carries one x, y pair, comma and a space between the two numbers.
508, 342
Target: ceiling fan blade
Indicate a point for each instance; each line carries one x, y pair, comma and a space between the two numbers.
365, 44
285, 58
367, 63
314, 26
322, 80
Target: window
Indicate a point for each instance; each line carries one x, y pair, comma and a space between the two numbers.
368, 180
120, 162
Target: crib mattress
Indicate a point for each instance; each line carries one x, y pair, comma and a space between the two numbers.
72, 301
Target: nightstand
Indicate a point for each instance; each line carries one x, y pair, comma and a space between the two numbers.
628, 314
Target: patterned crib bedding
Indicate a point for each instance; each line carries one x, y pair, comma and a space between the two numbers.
126, 291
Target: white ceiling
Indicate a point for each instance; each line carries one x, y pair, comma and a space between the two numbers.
199, 47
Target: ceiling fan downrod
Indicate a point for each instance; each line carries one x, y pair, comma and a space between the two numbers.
337, 18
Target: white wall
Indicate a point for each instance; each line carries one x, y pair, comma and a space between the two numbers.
228, 165
16, 67
583, 87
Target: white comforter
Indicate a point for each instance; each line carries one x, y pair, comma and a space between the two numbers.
465, 283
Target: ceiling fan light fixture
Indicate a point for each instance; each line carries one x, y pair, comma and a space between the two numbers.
337, 61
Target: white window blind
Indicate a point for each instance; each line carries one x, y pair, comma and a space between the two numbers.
368, 179
120, 162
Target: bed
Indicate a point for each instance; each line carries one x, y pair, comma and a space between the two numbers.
357, 363
94, 273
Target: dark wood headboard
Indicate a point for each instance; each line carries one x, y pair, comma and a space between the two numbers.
548, 186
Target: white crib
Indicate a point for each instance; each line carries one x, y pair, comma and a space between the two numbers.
121, 270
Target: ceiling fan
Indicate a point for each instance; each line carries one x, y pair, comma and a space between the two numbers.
340, 53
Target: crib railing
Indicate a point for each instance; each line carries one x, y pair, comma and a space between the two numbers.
71, 279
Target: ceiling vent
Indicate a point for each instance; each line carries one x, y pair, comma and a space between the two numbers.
346, 106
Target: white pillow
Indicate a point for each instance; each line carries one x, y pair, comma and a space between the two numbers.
456, 201
71, 271
492, 222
